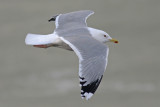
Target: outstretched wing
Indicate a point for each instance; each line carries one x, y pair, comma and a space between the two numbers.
72, 20
93, 57
92, 54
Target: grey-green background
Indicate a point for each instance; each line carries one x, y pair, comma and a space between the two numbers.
33, 77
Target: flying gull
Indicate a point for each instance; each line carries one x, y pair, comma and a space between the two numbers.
72, 33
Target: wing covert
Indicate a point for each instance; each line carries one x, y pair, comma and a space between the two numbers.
93, 57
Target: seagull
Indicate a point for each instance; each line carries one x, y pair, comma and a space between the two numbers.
73, 34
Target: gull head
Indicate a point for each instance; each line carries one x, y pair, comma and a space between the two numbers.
101, 36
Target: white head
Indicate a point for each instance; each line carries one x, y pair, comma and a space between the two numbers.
101, 36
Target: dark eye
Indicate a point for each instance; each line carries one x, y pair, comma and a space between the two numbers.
105, 36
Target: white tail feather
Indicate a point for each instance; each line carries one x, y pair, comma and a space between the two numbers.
36, 39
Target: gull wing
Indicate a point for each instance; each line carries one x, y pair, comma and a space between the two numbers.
93, 57
72, 20
92, 54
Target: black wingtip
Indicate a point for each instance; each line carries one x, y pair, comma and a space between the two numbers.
90, 88
53, 18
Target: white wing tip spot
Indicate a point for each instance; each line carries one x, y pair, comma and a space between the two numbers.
87, 95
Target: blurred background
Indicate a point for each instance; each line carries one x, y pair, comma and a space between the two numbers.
33, 77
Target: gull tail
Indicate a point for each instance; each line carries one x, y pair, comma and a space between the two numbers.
36, 39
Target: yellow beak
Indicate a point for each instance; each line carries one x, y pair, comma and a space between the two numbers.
114, 40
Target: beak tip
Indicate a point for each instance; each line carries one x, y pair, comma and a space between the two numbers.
116, 42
